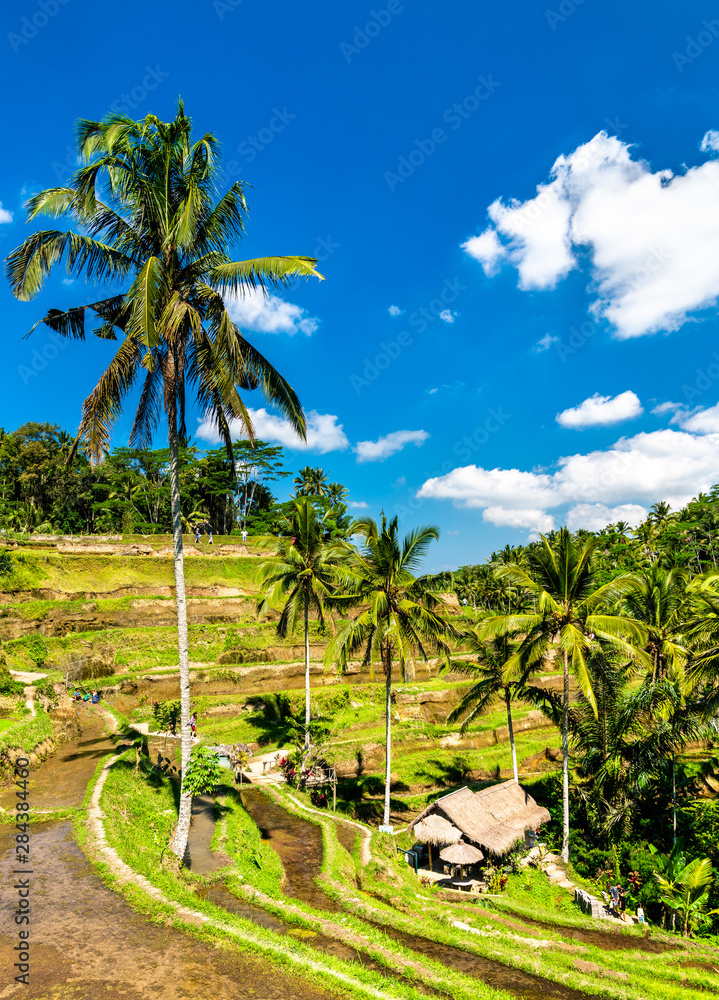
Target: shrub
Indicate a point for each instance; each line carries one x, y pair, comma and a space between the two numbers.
204, 772
36, 649
167, 715
10, 686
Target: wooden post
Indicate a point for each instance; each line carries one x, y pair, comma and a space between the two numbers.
429, 848
334, 790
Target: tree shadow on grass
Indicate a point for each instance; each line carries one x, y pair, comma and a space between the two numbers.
457, 771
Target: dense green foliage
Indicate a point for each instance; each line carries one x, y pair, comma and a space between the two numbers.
129, 490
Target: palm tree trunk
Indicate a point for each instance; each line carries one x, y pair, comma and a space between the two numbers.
674, 799
510, 727
388, 733
565, 762
307, 678
179, 844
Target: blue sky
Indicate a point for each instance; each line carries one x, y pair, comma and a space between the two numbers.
552, 286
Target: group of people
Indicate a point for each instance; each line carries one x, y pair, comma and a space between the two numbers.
198, 533
93, 698
618, 903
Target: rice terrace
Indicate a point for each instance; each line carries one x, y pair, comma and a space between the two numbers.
359, 498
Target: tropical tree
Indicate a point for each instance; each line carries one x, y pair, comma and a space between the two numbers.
304, 572
310, 482
398, 620
621, 528
687, 893
570, 618
490, 683
147, 220
617, 754
337, 493
658, 599
660, 514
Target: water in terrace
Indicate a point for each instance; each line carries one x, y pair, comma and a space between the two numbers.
299, 846
86, 942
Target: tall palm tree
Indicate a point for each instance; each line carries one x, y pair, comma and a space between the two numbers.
616, 749
147, 220
621, 528
658, 598
660, 513
490, 683
397, 620
337, 493
570, 617
310, 482
305, 574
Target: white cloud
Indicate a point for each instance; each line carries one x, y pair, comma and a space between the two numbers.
699, 421
451, 532
269, 314
518, 517
636, 471
487, 249
402, 481
5, 216
358, 505
447, 316
595, 516
710, 141
390, 444
649, 237
545, 343
394, 311
453, 387
600, 411
661, 408
323, 432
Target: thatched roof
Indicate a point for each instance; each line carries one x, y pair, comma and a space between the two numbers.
496, 818
436, 829
461, 854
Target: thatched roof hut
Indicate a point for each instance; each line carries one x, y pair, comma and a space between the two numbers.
496, 819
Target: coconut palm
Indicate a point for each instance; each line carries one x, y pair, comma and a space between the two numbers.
658, 598
303, 572
310, 482
490, 683
337, 493
570, 617
674, 719
397, 620
660, 514
617, 750
621, 528
147, 221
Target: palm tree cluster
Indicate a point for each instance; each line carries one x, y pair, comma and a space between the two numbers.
642, 651
397, 614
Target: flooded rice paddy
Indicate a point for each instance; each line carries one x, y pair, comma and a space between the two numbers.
299, 846
86, 942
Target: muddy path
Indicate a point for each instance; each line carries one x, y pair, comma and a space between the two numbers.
86, 942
